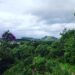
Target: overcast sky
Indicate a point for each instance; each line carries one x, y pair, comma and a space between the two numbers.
36, 18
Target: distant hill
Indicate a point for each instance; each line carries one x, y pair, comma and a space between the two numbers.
49, 38
28, 39
46, 38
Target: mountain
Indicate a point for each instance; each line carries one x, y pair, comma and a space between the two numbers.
28, 39
46, 38
49, 38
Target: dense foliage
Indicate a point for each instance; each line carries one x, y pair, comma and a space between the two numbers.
38, 57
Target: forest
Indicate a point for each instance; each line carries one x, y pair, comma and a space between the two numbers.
37, 57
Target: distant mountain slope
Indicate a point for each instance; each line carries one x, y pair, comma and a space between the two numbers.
46, 38
28, 39
49, 38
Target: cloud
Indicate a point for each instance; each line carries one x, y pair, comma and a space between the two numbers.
36, 18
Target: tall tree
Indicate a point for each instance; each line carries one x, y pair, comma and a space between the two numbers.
8, 36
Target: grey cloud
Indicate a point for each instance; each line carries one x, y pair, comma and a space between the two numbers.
36, 18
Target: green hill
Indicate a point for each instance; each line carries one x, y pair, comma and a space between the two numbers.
49, 38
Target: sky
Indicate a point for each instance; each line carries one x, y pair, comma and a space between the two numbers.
36, 18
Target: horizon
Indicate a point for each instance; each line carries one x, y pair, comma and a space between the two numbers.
36, 18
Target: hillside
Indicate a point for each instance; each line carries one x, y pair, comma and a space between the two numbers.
46, 38
49, 38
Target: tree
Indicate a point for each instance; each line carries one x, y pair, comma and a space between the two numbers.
42, 50
68, 43
8, 36
6, 55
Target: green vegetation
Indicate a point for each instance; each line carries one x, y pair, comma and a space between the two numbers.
37, 57
49, 38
